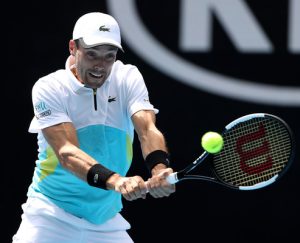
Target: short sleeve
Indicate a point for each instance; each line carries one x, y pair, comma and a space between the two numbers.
48, 105
138, 96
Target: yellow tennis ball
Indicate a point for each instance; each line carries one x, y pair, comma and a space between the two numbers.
212, 142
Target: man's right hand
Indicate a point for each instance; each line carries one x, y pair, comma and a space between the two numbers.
131, 188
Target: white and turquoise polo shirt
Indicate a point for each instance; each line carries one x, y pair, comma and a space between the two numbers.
104, 129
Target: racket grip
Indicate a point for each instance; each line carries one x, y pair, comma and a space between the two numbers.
172, 179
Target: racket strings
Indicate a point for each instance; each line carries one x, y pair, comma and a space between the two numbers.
254, 151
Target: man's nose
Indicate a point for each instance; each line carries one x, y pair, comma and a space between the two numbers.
99, 67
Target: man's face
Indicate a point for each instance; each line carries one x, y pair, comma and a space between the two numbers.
93, 65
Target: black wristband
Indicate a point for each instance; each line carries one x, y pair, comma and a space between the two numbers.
157, 157
98, 175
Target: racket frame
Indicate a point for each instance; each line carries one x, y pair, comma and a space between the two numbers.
184, 174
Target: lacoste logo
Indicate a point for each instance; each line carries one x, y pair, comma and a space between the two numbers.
111, 99
103, 28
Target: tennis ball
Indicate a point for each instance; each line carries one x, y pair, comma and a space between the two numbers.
212, 142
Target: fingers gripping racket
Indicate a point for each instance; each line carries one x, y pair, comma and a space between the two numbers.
258, 149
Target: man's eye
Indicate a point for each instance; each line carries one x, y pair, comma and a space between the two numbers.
91, 54
110, 56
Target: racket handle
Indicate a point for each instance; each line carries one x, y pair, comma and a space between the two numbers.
172, 179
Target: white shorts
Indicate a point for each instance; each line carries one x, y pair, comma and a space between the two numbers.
44, 222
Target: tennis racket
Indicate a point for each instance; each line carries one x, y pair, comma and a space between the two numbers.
258, 149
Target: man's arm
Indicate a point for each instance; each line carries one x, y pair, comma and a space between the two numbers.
63, 140
153, 142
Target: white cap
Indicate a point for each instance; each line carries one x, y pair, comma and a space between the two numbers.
97, 29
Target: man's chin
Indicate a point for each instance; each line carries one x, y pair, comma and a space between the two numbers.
94, 85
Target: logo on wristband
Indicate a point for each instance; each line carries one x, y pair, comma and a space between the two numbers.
96, 177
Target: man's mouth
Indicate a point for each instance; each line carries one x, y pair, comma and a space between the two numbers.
97, 75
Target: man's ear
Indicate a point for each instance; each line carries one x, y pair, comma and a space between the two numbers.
72, 47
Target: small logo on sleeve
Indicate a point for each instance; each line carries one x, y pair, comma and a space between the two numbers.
41, 110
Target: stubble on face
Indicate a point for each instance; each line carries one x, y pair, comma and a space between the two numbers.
93, 65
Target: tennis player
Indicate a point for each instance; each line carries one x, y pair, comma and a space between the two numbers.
85, 117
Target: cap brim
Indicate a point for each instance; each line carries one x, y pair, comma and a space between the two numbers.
89, 43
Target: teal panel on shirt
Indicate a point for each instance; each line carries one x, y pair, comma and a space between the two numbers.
112, 148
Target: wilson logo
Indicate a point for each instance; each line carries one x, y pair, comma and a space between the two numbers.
248, 155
